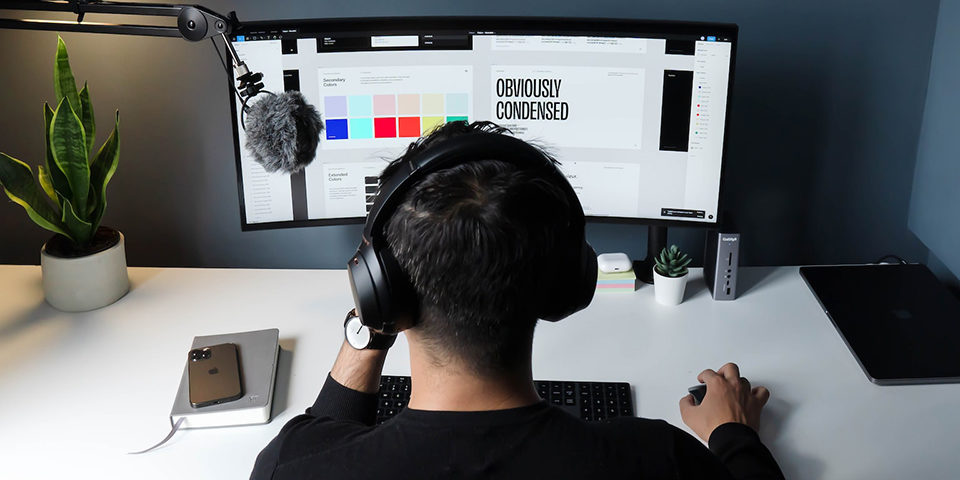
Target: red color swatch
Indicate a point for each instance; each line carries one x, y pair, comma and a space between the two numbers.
409, 126
385, 127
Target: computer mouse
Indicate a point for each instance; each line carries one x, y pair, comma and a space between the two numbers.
698, 392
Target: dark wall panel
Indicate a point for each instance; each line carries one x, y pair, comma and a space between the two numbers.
827, 108
936, 197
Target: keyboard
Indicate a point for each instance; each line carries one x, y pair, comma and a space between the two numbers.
591, 401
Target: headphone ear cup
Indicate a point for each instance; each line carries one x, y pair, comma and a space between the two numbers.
573, 286
366, 284
588, 277
403, 300
382, 292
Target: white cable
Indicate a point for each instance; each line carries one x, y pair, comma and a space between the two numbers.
173, 429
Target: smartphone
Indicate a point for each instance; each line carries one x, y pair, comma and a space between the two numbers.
214, 374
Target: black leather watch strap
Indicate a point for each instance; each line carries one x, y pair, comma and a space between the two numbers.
380, 341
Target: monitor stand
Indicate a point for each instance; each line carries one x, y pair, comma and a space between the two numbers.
656, 241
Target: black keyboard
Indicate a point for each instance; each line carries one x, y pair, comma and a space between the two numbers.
591, 401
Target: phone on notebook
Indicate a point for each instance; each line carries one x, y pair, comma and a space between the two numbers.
214, 374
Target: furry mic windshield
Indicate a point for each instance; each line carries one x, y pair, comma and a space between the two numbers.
283, 131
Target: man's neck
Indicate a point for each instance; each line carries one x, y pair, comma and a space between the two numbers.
456, 388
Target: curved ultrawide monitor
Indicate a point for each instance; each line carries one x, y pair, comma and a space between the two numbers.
634, 111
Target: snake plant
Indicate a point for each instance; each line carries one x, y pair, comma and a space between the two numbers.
672, 262
68, 196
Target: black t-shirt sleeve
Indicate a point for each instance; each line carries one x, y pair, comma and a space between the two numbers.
740, 449
341, 403
335, 402
735, 453
694, 461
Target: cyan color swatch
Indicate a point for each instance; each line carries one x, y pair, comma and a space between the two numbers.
361, 128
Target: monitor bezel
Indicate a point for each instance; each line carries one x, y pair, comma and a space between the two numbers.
526, 25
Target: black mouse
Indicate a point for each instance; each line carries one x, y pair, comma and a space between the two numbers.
698, 392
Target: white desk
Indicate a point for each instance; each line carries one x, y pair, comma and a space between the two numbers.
77, 391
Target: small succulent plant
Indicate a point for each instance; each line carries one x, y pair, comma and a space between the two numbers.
672, 262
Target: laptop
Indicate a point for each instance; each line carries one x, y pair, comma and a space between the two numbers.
900, 322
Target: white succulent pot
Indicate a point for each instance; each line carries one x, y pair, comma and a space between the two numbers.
85, 283
668, 290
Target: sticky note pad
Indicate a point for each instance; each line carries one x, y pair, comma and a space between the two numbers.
627, 289
629, 275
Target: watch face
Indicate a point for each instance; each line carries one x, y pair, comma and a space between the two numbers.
358, 336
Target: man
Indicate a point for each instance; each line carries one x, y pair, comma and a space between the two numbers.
478, 241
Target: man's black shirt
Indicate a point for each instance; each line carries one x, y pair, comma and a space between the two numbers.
335, 439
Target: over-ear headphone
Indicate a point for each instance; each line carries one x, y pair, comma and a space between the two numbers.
384, 296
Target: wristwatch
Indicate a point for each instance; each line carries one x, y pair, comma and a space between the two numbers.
362, 337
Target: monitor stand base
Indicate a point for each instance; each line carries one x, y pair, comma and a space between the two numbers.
656, 241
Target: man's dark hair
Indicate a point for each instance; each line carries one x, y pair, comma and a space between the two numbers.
480, 241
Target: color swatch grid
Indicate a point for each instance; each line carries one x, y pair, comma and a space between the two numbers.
391, 116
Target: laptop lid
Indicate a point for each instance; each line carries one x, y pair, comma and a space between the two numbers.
900, 322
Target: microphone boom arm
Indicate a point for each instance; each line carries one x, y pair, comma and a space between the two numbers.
194, 22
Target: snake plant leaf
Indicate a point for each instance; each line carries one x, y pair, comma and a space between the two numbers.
16, 178
70, 152
101, 171
46, 184
82, 230
86, 118
57, 178
64, 84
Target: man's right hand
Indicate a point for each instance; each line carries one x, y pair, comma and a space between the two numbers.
729, 399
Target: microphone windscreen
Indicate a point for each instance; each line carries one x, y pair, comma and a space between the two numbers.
283, 131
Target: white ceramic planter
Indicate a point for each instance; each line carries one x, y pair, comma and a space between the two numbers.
668, 290
85, 283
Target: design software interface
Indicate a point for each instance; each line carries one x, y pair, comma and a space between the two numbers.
636, 123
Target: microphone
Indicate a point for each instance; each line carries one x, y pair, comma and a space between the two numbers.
282, 131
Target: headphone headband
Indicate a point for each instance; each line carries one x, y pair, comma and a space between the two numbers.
470, 147
386, 300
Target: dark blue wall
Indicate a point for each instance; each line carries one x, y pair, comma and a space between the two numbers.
934, 215
827, 108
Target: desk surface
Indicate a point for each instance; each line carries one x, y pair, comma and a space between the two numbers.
80, 390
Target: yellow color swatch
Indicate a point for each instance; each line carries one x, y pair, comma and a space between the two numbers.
429, 123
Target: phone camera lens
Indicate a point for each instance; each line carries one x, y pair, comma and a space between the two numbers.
206, 354
196, 355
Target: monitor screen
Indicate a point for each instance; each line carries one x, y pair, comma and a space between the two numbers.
634, 111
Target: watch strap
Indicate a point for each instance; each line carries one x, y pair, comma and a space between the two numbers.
380, 341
